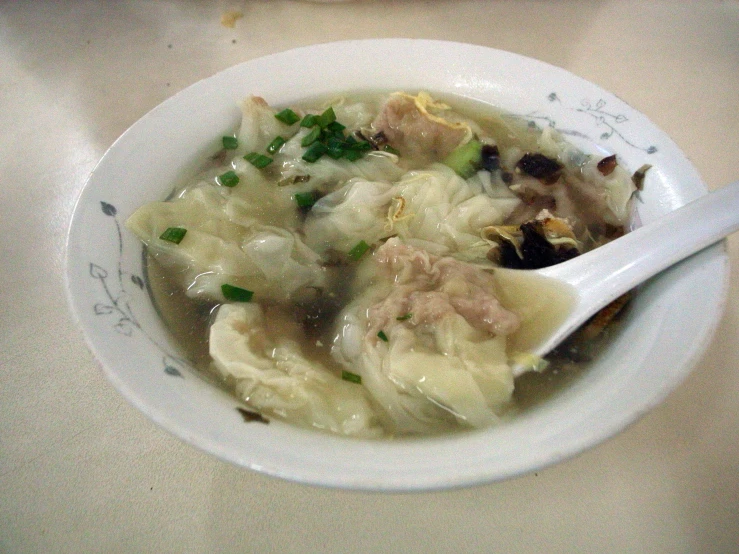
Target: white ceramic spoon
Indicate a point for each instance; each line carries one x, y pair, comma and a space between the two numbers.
556, 300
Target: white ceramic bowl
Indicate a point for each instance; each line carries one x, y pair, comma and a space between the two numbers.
668, 327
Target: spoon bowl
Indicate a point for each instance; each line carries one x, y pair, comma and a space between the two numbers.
553, 302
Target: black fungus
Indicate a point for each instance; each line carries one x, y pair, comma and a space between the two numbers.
490, 157
607, 165
378, 140
638, 177
537, 251
250, 416
541, 167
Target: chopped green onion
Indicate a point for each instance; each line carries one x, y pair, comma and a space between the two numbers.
352, 155
362, 146
309, 120
382, 336
404, 317
236, 294
314, 152
311, 137
388, 148
230, 143
305, 199
173, 234
274, 146
288, 116
335, 127
228, 179
465, 160
335, 147
258, 160
326, 118
351, 377
358, 250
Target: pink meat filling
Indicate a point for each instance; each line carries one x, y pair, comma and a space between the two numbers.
430, 287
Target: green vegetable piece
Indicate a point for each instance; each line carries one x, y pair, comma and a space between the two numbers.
287, 116
353, 155
230, 143
335, 127
326, 118
351, 377
465, 160
404, 317
335, 147
274, 146
311, 137
228, 179
314, 152
388, 148
362, 146
309, 120
236, 294
258, 160
173, 234
305, 199
382, 336
358, 250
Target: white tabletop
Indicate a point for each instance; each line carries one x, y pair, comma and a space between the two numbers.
82, 471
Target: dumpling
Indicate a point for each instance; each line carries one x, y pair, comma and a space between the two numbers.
429, 341
434, 209
421, 127
439, 211
272, 262
259, 126
355, 212
273, 376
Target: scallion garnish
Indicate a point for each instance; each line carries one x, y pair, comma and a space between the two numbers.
258, 160
351, 377
236, 294
288, 116
362, 146
274, 146
358, 250
314, 152
382, 336
404, 317
388, 148
230, 143
326, 118
309, 120
173, 234
335, 147
305, 199
335, 127
352, 155
311, 137
228, 179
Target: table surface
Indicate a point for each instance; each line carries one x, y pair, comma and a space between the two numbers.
82, 471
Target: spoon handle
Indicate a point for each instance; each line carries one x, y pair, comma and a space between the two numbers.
605, 273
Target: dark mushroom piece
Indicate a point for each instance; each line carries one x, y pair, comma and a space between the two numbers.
546, 169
